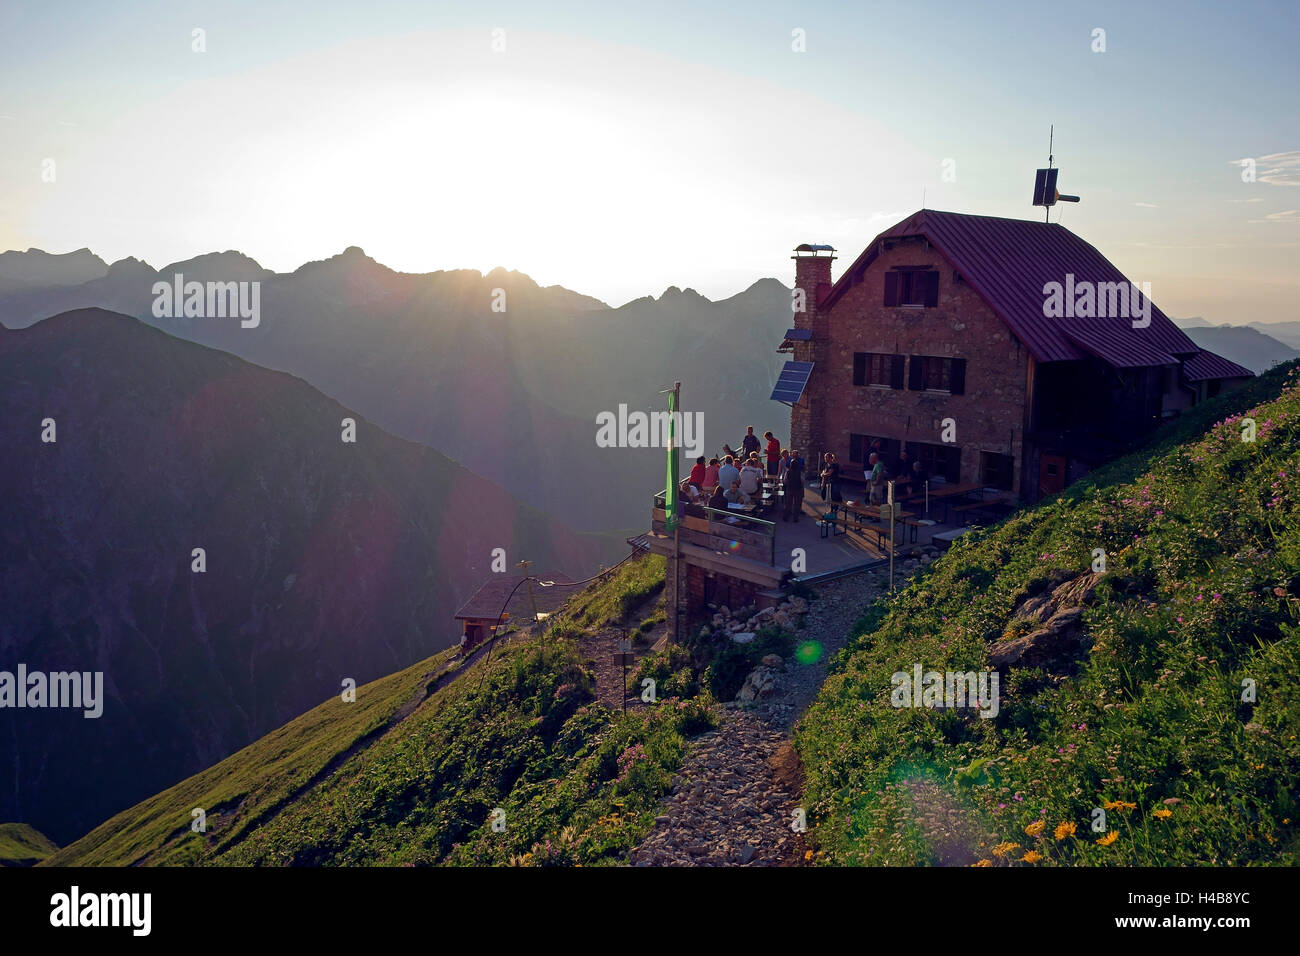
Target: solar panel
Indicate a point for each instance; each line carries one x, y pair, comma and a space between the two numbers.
799, 335
792, 381
1045, 187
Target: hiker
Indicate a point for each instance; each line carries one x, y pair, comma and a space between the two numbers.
830, 476
697, 472
751, 477
792, 485
735, 496
728, 473
773, 454
876, 477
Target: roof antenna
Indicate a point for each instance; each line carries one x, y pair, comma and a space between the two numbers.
1045, 193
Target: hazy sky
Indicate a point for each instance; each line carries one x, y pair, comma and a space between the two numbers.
618, 148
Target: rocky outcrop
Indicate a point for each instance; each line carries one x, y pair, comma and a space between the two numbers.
1046, 628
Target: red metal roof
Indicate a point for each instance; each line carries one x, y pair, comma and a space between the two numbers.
1209, 365
486, 603
1009, 261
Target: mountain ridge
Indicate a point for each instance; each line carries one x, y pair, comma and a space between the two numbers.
322, 558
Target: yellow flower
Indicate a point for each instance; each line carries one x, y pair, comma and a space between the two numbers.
1108, 839
1002, 849
1162, 813
1063, 830
808, 854
983, 863
1035, 828
1033, 856
1118, 805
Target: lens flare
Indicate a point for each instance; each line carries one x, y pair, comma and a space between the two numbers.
809, 652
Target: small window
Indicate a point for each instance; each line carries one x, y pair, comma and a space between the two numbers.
996, 471
876, 368
937, 374
912, 285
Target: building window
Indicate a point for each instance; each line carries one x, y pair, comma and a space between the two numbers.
860, 448
937, 374
877, 368
996, 470
912, 285
939, 461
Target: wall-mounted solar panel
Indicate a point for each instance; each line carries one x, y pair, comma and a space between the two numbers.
798, 335
792, 381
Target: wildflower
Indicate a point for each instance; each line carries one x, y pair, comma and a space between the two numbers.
983, 863
1033, 856
1063, 830
1003, 849
1035, 828
1162, 814
808, 854
1109, 838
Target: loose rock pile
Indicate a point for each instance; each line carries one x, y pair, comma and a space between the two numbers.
749, 619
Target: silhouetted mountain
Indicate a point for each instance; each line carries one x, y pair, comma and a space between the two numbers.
513, 394
1194, 322
325, 560
36, 267
1286, 332
1244, 345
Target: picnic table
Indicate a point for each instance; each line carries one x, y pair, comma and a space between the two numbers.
874, 512
948, 494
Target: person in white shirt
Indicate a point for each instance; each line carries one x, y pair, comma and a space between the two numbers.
751, 477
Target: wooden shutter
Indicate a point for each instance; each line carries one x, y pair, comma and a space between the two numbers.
957, 377
891, 288
931, 289
896, 373
859, 368
916, 374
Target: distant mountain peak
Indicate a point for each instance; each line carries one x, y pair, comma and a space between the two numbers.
37, 266
672, 294
232, 261
128, 265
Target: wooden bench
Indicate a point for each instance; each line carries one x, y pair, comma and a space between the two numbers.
832, 523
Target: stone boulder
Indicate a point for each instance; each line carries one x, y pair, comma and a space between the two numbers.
760, 683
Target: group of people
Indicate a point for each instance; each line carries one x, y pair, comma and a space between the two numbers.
908, 475
736, 478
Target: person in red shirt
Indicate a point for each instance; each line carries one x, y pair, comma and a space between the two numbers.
773, 453
697, 473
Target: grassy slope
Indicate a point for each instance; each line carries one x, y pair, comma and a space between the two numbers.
1202, 591
245, 785
20, 845
578, 783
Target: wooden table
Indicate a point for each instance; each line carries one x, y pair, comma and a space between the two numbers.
947, 492
861, 511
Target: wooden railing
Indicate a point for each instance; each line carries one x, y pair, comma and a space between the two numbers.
731, 532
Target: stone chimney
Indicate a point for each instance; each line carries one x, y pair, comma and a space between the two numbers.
812, 278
